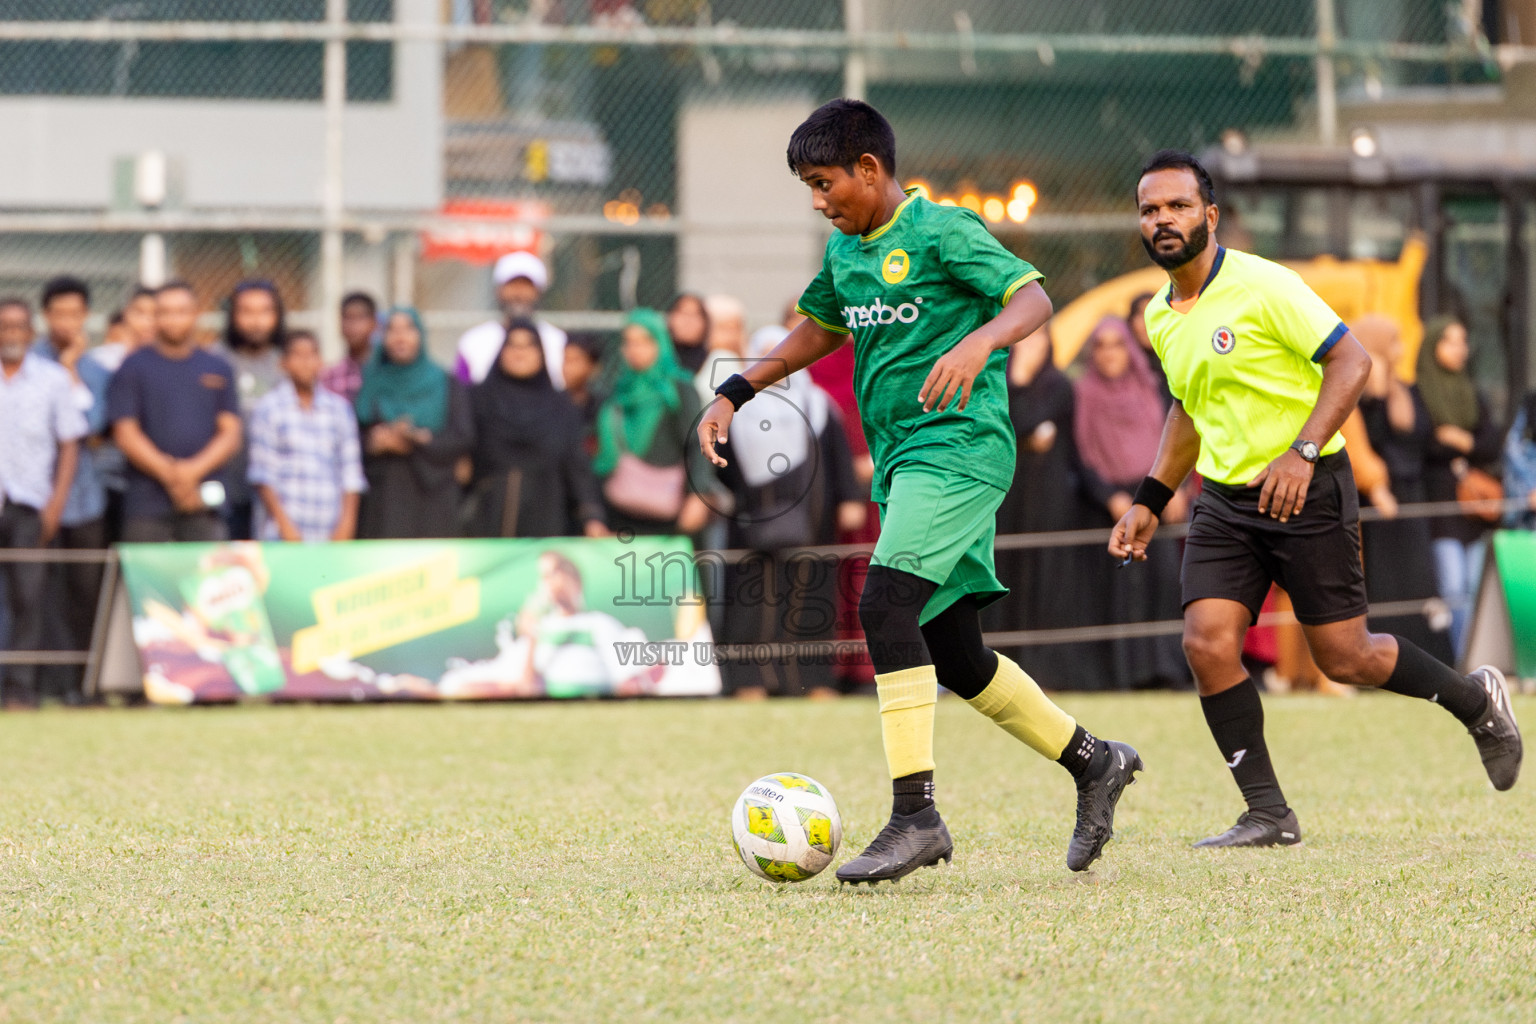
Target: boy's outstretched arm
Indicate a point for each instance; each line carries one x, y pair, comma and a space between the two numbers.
808, 342
952, 375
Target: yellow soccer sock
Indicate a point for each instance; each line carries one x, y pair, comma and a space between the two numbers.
906, 718
1014, 701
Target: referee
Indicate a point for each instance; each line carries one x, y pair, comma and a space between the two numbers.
1263, 375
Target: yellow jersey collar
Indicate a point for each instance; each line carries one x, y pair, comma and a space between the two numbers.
883, 228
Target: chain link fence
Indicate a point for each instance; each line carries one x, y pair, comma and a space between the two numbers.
637, 144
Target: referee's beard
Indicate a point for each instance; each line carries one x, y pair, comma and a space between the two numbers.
1193, 246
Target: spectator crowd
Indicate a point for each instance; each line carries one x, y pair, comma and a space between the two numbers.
157, 434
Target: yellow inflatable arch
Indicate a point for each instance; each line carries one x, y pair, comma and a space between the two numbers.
1351, 287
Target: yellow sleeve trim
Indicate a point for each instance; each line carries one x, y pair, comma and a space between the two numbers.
812, 316
1033, 275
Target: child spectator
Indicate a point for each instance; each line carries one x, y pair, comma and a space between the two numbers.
306, 464
359, 326
131, 328
583, 363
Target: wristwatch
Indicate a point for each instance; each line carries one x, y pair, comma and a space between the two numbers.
1307, 450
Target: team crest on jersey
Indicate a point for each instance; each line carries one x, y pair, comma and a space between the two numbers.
1223, 341
895, 266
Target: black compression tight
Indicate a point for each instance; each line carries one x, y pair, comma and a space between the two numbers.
951, 641
888, 611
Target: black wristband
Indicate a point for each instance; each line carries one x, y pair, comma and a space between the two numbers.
737, 390
1154, 494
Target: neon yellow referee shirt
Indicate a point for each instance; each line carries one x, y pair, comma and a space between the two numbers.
1244, 361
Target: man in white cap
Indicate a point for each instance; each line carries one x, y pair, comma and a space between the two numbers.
520, 278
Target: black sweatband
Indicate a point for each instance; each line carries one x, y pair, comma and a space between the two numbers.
737, 390
1154, 494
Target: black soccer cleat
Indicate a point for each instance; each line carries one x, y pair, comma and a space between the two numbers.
1257, 828
908, 842
1096, 800
1496, 734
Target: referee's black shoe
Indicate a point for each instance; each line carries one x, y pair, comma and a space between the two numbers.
1496, 734
1096, 799
908, 842
1257, 828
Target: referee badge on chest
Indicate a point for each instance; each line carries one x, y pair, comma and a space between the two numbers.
1223, 341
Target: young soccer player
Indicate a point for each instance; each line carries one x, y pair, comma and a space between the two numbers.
933, 302
1263, 375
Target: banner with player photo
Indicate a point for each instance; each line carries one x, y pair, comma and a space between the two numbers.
418, 620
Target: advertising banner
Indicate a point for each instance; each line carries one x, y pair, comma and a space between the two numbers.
418, 620
1514, 556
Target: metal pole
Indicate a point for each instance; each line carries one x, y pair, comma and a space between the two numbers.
1327, 85
332, 254
152, 260
92, 680
854, 69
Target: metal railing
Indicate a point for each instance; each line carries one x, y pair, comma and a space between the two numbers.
1092, 633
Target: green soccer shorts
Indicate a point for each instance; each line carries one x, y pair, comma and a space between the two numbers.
940, 525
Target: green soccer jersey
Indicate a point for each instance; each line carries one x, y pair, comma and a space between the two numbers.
1243, 361
908, 292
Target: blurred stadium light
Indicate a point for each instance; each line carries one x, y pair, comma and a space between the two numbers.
396, 144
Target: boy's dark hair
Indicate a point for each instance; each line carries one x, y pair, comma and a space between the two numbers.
140, 292
297, 336
352, 298
587, 342
65, 285
176, 284
1168, 159
1138, 304
116, 319
840, 132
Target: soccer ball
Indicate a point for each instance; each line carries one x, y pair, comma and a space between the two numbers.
786, 827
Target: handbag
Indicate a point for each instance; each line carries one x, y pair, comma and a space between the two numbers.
639, 489
1481, 496
784, 519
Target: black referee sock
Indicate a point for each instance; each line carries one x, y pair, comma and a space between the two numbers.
1418, 674
1236, 718
912, 793
1085, 757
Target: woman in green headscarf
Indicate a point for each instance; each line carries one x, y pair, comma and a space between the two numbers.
416, 424
1465, 440
650, 466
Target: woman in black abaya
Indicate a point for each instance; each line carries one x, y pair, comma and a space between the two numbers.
532, 476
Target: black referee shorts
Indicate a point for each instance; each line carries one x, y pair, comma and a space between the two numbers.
1234, 553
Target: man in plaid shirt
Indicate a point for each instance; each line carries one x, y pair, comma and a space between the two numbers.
306, 463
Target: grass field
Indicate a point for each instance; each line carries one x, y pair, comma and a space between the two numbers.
573, 863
